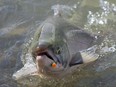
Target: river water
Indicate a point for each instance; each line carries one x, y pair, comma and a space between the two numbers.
20, 18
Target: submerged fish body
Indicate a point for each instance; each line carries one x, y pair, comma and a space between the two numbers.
56, 48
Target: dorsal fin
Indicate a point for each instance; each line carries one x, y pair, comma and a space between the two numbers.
62, 10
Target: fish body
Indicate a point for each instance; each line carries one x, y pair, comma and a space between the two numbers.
56, 48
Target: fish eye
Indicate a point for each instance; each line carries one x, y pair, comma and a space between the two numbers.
58, 50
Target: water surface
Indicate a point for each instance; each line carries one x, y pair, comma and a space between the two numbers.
20, 18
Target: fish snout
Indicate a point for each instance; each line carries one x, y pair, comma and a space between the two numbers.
40, 63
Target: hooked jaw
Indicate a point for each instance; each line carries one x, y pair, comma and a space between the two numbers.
46, 60
47, 51
41, 67
40, 63
47, 67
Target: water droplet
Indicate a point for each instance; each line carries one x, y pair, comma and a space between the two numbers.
96, 37
75, 6
98, 32
101, 22
30, 80
112, 49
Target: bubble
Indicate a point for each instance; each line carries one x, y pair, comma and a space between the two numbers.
96, 37
112, 49
98, 32
30, 80
101, 22
31, 38
75, 6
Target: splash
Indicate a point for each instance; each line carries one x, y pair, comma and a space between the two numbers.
107, 7
97, 18
106, 12
101, 23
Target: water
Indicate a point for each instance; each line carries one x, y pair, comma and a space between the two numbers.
20, 18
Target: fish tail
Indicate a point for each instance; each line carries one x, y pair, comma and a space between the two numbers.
89, 54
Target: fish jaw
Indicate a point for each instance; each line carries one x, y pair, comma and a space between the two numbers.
45, 67
37, 69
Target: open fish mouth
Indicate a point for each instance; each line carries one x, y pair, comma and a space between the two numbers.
49, 53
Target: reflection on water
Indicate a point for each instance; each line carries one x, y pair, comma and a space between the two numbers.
20, 18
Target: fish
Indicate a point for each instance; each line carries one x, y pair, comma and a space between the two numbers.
57, 49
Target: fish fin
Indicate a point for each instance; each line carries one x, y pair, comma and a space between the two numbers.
89, 55
76, 59
62, 10
26, 70
85, 56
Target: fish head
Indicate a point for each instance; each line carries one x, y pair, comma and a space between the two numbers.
51, 60
51, 51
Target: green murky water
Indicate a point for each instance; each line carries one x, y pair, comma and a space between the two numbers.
20, 18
